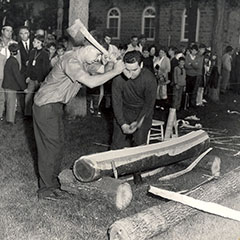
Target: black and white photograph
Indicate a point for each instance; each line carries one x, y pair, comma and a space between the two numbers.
120, 119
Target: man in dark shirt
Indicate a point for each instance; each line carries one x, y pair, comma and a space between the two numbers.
133, 97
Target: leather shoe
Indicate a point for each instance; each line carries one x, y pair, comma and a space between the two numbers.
55, 195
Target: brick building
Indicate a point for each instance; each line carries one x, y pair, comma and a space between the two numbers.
165, 22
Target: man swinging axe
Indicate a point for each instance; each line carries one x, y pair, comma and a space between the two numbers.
60, 86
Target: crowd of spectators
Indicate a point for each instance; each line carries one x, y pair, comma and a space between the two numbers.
184, 74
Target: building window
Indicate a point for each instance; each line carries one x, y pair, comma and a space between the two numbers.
185, 27
148, 23
113, 22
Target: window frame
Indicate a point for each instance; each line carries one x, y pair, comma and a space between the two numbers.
183, 25
143, 22
114, 17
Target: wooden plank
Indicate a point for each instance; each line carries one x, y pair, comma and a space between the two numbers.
208, 207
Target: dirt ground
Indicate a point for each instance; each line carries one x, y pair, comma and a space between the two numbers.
214, 118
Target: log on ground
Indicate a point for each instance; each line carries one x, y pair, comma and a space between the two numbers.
158, 219
142, 158
117, 193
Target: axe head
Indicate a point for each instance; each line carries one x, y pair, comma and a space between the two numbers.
75, 31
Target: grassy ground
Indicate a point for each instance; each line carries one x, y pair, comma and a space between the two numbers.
23, 217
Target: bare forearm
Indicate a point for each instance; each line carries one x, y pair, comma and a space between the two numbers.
99, 79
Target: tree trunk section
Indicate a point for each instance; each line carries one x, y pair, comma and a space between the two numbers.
158, 219
142, 158
115, 192
217, 41
78, 9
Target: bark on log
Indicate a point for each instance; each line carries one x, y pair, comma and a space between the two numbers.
141, 158
117, 193
158, 219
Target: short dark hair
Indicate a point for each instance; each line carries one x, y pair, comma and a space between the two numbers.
23, 27
40, 38
229, 49
60, 46
181, 59
51, 44
194, 47
173, 48
13, 48
134, 36
132, 57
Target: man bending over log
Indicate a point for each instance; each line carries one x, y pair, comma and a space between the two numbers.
59, 87
133, 98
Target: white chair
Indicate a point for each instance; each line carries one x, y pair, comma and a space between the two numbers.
156, 132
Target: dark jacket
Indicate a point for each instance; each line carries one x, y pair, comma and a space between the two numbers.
13, 79
24, 56
38, 69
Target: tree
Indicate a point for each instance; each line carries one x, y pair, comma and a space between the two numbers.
78, 9
217, 42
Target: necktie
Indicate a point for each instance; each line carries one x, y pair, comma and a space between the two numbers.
26, 46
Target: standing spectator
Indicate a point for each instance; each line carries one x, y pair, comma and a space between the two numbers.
12, 82
133, 45
6, 39
2, 94
133, 96
25, 46
60, 86
142, 42
235, 72
172, 52
64, 40
182, 50
192, 71
105, 90
162, 68
51, 47
122, 48
112, 49
226, 69
152, 52
147, 60
200, 77
179, 83
37, 70
60, 50
214, 79
207, 67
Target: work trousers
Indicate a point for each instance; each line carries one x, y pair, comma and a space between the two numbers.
139, 137
177, 97
2, 100
32, 87
225, 80
192, 84
49, 136
11, 102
